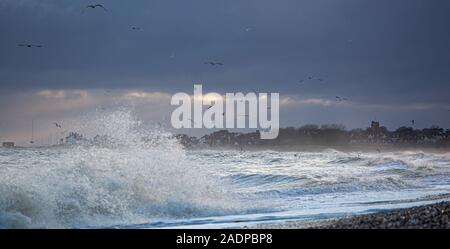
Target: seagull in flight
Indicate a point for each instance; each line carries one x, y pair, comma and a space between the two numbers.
93, 6
214, 63
30, 45
136, 28
309, 78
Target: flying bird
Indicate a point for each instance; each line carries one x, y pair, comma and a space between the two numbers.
30, 45
213, 63
413, 122
136, 28
309, 78
57, 125
93, 6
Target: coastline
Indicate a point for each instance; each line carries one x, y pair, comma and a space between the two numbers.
322, 148
432, 216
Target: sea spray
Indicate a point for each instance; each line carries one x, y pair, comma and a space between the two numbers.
133, 175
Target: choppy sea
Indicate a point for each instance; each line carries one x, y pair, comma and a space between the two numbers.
130, 182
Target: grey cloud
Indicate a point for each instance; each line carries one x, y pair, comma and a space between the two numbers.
377, 53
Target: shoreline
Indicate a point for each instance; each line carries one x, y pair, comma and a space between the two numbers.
431, 216
321, 148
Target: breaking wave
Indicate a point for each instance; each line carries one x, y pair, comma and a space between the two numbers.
131, 175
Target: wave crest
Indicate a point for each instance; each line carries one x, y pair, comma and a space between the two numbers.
136, 176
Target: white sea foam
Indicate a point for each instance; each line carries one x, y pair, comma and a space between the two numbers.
134, 175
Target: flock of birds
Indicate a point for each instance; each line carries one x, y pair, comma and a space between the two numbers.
89, 6
313, 78
133, 28
213, 63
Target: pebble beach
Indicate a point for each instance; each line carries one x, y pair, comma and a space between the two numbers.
433, 216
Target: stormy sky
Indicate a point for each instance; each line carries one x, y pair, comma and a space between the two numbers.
390, 59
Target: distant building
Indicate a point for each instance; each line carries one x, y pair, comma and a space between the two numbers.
330, 135
375, 125
8, 144
74, 138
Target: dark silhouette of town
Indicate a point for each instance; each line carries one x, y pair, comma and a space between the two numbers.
329, 135
376, 137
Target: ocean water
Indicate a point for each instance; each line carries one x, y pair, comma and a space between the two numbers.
131, 182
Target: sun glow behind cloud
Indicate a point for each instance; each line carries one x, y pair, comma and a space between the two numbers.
62, 105
63, 94
298, 101
147, 96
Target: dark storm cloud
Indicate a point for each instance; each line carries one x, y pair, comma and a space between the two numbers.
390, 58
362, 48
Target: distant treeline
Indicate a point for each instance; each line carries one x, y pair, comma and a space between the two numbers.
328, 135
